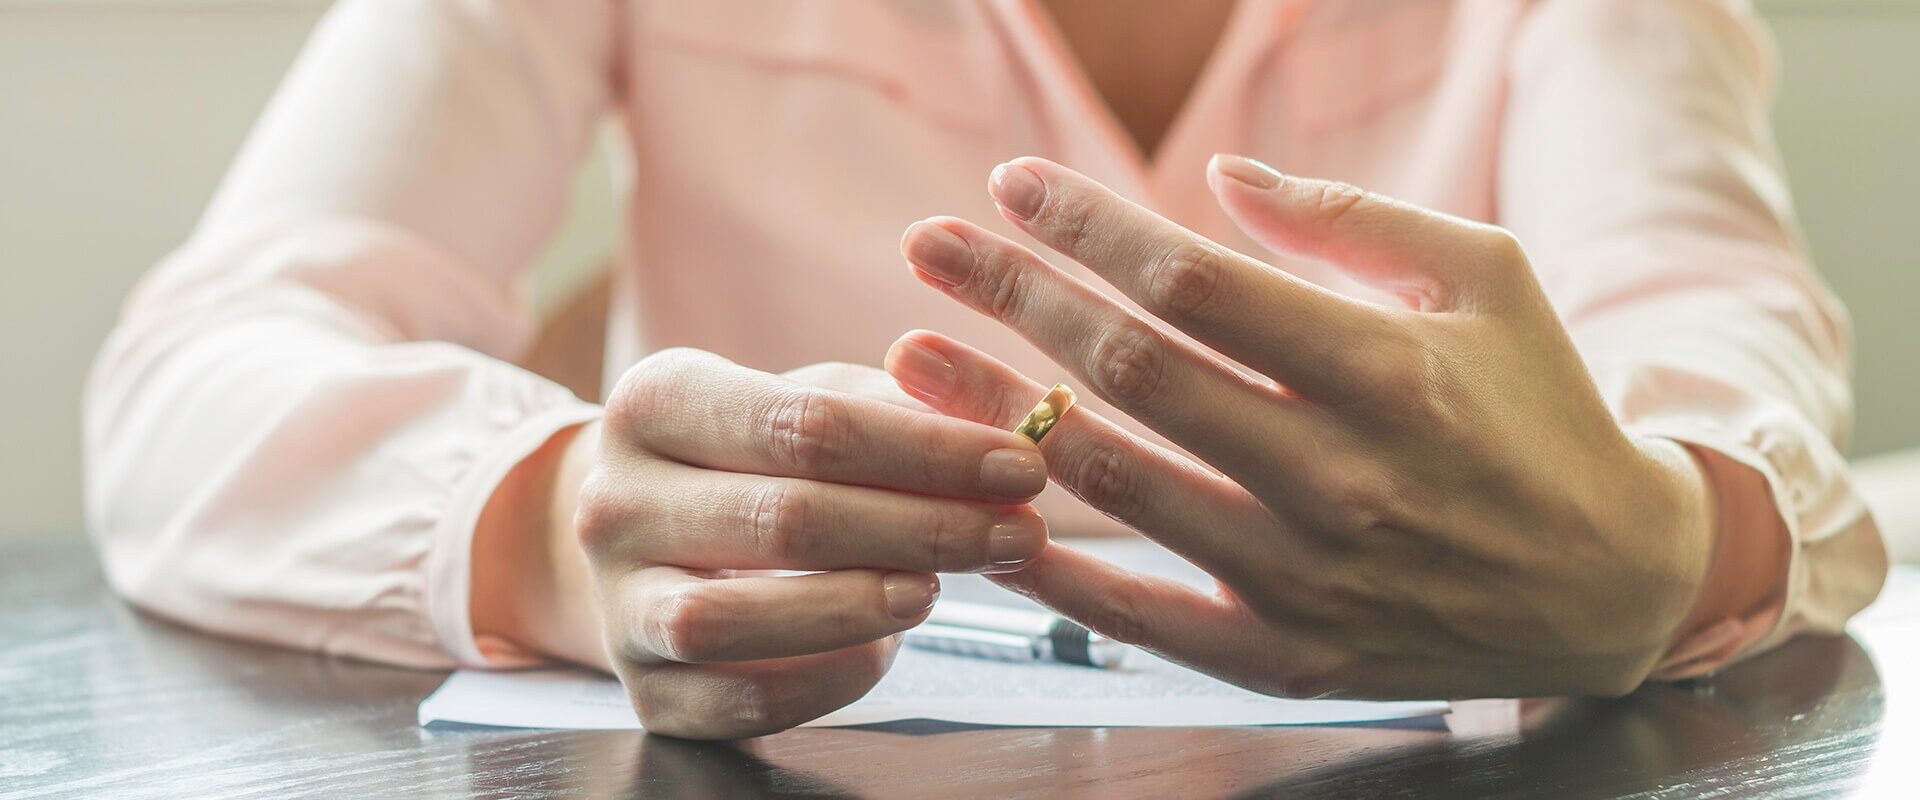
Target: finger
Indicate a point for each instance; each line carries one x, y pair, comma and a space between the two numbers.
1434, 261
1203, 517
1214, 634
1279, 325
726, 520
704, 410
669, 614
753, 698
1170, 385
1159, 615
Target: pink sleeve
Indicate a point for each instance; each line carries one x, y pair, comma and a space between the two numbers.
1639, 170
292, 431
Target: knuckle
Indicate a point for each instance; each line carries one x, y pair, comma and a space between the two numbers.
1503, 248
1107, 481
806, 431
1334, 202
1130, 364
633, 399
685, 623
1186, 279
778, 523
949, 546
932, 463
1002, 404
597, 517
1001, 286
1498, 269
1357, 502
1072, 219
647, 386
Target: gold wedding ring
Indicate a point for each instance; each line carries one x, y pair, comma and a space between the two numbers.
1044, 416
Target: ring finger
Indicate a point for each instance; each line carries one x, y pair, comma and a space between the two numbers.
1173, 387
1203, 517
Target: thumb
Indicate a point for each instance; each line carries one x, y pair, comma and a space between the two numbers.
1432, 260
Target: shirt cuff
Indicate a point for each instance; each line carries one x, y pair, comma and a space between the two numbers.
1748, 488
450, 564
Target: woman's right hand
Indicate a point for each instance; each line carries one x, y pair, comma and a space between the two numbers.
706, 474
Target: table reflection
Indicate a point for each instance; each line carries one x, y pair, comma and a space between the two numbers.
1816, 694
103, 701
1819, 694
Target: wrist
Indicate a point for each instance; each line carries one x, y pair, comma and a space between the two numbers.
530, 578
575, 616
1745, 547
1685, 526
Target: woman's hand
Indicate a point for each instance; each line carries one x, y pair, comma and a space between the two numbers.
704, 475
1422, 501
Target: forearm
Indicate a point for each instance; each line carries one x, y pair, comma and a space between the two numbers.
273, 466
303, 412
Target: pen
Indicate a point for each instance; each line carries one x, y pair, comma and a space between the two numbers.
1013, 634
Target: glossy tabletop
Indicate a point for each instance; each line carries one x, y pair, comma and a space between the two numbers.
97, 700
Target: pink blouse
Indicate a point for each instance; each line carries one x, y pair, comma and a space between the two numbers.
302, 412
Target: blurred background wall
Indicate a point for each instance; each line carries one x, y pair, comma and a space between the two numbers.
117, 118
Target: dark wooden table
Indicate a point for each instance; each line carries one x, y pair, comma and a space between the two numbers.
97, 700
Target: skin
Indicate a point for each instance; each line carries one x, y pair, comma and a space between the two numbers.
1390, 507
659, 525
1387, 508
567, 545
1144, 87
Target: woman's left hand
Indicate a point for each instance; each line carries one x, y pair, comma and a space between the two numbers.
1423, 501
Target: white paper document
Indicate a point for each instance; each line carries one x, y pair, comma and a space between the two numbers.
1144, 691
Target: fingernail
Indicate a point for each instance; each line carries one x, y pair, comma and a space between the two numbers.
1015, 540
1017, 190
909, 594
938, 252
1247, 171
923, 370
1013, 473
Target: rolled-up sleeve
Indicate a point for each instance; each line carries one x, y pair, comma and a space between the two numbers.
1638, 168
294, 427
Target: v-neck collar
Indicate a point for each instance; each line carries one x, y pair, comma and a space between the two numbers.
1251, 27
